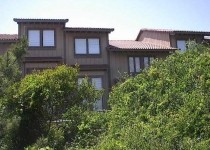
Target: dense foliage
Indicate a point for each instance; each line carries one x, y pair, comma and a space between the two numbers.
49, 106
10, 72
10, 65
165, 107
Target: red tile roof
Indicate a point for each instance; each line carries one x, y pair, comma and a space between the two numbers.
157, 30
8, 37
88, 29
176, 31
173, 31
116, 45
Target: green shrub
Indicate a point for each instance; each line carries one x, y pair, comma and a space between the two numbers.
165, 107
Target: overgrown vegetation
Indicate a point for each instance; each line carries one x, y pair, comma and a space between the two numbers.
165, 107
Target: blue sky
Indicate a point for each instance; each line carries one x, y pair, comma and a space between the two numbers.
126, 16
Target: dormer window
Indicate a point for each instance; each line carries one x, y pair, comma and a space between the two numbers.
181, 44
41, 38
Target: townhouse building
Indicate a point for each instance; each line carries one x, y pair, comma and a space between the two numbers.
51, 43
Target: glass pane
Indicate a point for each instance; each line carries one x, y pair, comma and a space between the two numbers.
80, 46
181, 44
80, 81
146, 62
34, 38
93, 46
97, 83
131, 64
48, 38
137, 64
151, 60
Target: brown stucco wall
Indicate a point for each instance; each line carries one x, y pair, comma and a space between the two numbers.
119, 62
45, 52
4, 47
157, 38
84, 60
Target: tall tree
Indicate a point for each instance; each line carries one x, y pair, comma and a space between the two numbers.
11, 63
10, 72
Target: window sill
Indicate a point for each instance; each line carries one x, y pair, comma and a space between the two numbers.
41, 48
87, 55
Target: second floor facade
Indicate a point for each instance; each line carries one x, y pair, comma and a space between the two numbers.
104, 61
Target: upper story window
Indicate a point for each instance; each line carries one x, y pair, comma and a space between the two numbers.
41, 38
181, 44
87, 46
136, 64
48, 38
34, 38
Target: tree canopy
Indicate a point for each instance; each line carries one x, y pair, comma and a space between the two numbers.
165, 107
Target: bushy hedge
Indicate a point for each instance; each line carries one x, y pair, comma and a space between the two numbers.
165, 107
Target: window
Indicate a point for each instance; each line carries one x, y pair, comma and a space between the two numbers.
136, 64
85, 46
93, 46
48, 38
80, 46
41, 38
181, 44
97, 83
34, 37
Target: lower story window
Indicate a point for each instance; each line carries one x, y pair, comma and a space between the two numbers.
136, 64
97, 83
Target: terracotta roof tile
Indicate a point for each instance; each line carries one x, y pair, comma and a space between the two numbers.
135, 45
176, 31
88, 29
157, 30
10, 37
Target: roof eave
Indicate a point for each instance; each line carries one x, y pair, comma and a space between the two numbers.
192, 32
40, 20
148, 50
107, 30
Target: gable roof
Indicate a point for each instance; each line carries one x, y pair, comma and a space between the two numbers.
8, 37
88, 29
131, 45
28, 20
170, 31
